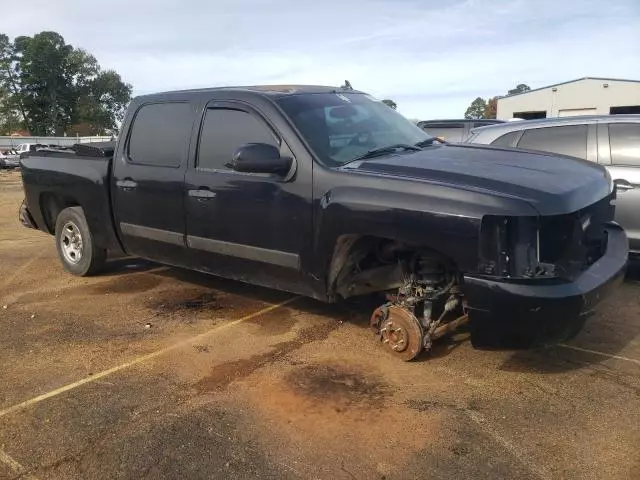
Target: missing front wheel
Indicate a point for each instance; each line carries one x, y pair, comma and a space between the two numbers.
399, 331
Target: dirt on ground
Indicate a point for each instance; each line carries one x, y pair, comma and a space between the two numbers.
148, 371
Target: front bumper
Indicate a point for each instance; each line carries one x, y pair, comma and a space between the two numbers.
524, 315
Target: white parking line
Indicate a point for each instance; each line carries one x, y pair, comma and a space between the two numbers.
137, 360
595, 352
524, 458
15, 466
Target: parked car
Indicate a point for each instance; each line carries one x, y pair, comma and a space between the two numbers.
328, 193
9, 161
453, 130
609, 140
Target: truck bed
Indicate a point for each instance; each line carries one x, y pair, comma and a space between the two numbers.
55, 179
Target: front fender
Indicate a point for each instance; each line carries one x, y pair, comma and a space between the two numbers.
398, 216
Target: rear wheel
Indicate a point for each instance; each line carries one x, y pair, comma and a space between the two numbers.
76, 247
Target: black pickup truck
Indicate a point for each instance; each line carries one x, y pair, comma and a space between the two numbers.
328, 193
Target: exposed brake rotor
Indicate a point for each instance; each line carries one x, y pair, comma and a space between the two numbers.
399, 331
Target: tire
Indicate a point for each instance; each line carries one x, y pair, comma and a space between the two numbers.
75, 244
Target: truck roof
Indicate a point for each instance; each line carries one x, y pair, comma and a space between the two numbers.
276, 91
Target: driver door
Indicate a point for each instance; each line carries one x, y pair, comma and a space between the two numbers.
247, 226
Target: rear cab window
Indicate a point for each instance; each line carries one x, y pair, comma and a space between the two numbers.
565, 140
624, 139
160, 134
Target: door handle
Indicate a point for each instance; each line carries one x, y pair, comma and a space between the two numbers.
623, 185
202, 194
126, 184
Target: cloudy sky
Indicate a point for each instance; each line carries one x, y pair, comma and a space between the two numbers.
432, 57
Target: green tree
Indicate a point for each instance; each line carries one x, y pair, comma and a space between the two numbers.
491, 110
10, 119
54, 86
521, 88
12, 115
44, 90
476, 109
390, 103
103, 105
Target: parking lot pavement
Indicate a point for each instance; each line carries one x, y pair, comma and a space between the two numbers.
154, 372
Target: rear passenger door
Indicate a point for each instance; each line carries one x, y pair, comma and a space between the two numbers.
148, 181
624, 142
247, 226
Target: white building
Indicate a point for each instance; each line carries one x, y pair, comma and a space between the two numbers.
584, 96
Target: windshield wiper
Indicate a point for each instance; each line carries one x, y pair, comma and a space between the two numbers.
376, 152
429, 141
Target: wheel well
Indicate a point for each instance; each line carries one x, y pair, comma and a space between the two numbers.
364, 264
51, 205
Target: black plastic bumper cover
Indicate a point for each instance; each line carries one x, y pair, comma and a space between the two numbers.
517, 315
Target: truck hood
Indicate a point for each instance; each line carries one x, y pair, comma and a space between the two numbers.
551, 184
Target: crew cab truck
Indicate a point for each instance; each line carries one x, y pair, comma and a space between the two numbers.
329, 193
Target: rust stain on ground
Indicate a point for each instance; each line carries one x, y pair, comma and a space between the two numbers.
346, 411
341, 384
188, 301
223, 374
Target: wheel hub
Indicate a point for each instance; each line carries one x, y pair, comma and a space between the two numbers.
71, 242
394, 335
399, 330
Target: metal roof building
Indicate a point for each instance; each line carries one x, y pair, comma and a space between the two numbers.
584, 96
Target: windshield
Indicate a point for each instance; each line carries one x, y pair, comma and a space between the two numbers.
342, 126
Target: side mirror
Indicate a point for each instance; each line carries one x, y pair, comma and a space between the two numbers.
259, 158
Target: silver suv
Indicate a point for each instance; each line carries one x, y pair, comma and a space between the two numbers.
453, 130
612, 141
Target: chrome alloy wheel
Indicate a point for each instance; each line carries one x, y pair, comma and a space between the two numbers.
71, 243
